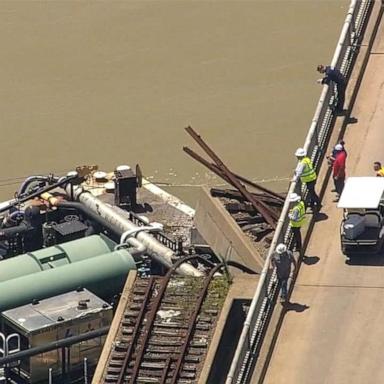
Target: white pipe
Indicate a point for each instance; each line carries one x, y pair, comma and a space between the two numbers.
139, 249
7, 203
153, 248
149, 228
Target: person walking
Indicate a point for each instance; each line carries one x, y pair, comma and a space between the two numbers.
282, 259
378, 169
296, 219
333, 75
308, 176
338, 170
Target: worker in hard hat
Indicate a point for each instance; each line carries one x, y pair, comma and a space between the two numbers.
308, 176
378, 169
296, 219
338, 170
282, 259
335, 151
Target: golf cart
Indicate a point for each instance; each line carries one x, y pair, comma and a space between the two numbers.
361, 229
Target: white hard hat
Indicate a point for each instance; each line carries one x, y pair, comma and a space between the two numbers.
293, 197
281, 248
300, 152
338, 147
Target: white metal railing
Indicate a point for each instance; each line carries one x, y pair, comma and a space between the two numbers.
315, 143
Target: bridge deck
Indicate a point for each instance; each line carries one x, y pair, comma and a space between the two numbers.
335, 332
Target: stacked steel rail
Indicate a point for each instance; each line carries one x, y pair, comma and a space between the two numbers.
166, 328
270, 215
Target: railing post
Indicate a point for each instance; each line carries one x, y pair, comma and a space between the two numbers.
85, 370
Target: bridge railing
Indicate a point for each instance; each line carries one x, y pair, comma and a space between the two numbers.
315, 144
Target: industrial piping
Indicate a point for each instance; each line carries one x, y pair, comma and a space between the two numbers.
153, 248
89, 214
57, 256
6, 233
5, 206
31, 179
137, 248
104, 275
66, 342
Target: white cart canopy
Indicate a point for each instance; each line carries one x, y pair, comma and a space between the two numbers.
362, 192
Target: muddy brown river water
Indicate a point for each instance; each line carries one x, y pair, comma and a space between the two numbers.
116, 82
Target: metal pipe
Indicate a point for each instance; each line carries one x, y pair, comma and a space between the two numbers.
261, 207
67, 342
12, 218
137, 248
12, 231
154, 248
133, 232
18, 201
29, 180
134, 251
215, 169
140, 248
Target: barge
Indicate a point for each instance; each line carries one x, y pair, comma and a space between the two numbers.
84, 257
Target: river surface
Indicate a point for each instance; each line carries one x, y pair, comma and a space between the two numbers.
116, 82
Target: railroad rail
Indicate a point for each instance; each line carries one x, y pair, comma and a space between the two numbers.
223, 171
166, 328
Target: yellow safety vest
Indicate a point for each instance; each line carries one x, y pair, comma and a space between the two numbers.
380, 172
309, 173
300, 219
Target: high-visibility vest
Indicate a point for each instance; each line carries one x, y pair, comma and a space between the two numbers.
380, 172
309, 173
300, 218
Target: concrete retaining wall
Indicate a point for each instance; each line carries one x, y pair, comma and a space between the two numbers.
222, 233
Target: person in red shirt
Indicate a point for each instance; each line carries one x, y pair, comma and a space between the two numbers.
338, 170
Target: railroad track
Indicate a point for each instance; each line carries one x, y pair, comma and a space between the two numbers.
166, 329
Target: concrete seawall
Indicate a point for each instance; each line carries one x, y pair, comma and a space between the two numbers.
222, 233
